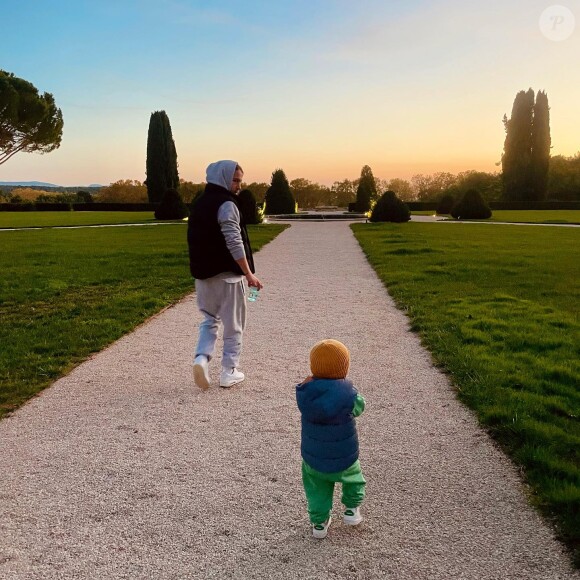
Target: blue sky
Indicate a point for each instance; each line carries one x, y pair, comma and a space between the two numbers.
318, 88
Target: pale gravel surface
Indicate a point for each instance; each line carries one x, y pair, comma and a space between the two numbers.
123, 469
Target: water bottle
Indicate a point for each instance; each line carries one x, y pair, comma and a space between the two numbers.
253, 294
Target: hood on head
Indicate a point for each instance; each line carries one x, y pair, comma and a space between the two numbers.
221, 173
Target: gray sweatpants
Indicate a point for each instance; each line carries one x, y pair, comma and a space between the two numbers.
225, 302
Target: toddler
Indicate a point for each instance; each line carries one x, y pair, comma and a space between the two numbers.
328, 404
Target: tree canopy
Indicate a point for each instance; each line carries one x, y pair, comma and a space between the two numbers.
29, 121
123, 191
564, 177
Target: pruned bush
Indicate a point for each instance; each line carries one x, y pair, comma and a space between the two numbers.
249, 207
390, 208
171, 207
445, 205
471, 206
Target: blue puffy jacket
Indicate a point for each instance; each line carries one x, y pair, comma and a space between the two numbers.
329, 437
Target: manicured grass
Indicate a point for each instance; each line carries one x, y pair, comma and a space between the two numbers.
532, 216
65, 294
26, 219
553, 216
498, 307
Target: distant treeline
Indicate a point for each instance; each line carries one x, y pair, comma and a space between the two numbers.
7, 189
563, 185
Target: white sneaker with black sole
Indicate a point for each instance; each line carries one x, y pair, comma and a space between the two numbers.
200, 372
352, 517
231, 377
320, 531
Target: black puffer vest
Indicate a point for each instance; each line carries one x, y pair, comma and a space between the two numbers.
208, 253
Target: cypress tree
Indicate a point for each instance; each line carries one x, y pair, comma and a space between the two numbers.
526, 156
171, 207
161, 158
517, 156
366, 191
279, 199
541, 143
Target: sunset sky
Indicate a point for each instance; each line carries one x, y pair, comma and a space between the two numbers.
318, 88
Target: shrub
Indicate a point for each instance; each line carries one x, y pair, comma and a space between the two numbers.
390, 208
84, 197
249, 207
471, 206
445, 205
171, 206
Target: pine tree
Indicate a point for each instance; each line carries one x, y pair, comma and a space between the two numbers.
161, 158
29, 121
541, 143
526, 156
366, 191
279, 199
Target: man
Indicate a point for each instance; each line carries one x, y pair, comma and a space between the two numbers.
219, 257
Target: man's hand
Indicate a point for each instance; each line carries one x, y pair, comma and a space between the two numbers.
253, 281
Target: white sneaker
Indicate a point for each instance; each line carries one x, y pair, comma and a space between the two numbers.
320, 531
231, 377
200, 373
352, 516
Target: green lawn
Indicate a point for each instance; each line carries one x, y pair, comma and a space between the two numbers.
26, 219
498, 307
553, 216
67, 293
532, 216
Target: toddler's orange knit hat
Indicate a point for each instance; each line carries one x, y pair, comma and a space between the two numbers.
329, 359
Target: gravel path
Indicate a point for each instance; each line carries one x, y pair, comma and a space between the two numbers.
123, 469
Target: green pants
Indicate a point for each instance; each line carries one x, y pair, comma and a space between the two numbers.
319, 488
